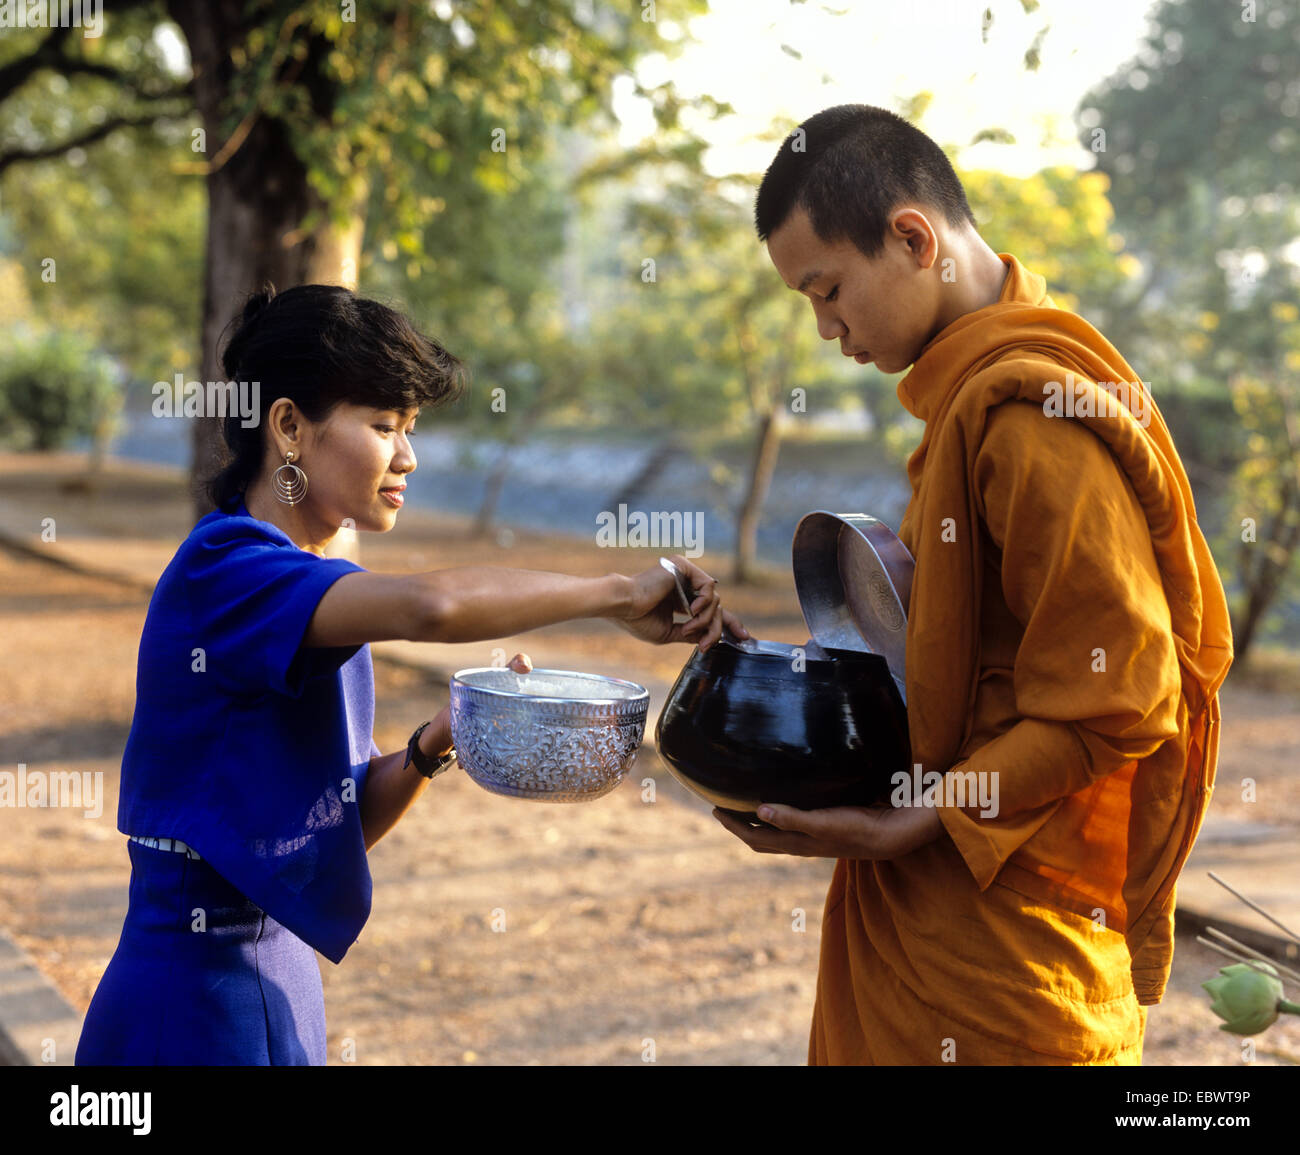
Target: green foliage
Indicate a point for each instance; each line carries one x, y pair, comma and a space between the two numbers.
123, 229
88, 90
1210, 100
1270, 422
715, 340
1198, 135
126, 237
469, 123
490, 289
54, 387
1058, 223
447, 119
425, 106
1201, 147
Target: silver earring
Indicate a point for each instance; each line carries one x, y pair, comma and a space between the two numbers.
289, 482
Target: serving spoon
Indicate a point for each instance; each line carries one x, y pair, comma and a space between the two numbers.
749, 645
684, 593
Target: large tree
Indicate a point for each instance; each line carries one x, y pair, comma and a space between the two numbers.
317, 121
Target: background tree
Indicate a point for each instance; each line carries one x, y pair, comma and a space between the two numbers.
721, 345
1198, 135
107, 243
313, 124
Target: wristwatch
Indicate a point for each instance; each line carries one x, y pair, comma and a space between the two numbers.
430, 769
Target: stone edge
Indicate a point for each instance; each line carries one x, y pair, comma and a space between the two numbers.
32, 1011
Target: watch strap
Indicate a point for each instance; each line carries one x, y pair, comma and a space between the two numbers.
428, 767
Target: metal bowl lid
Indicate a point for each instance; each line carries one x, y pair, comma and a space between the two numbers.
560, 685
854, 580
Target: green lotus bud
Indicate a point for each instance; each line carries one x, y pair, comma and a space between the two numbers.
1246, 996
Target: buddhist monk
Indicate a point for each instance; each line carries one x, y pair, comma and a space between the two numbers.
1067, 637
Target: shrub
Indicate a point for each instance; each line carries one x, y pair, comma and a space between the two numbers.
54, 387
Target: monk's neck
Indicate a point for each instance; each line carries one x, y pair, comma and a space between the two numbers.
985, 275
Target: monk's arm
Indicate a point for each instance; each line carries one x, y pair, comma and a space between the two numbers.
1096, 676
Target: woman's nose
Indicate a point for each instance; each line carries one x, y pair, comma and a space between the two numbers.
404, 461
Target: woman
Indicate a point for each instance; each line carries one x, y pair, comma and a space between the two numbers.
251, 786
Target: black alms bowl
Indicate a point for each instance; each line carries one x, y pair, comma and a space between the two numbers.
762, 722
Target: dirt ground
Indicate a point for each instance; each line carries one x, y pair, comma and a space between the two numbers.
503, 931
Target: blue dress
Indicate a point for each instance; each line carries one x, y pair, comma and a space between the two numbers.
253, 750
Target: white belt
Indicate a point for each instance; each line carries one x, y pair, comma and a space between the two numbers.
174, 844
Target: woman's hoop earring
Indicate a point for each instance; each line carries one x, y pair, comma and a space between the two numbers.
291, 486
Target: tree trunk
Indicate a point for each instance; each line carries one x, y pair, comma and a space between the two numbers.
1274, 561
258, 197
768, 405
1265, 564
766, 450
496, 483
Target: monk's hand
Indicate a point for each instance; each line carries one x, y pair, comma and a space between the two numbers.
875, 832
654, 601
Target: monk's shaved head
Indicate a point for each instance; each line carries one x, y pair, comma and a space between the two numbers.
848, 167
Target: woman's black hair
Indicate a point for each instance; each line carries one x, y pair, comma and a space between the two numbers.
320, 345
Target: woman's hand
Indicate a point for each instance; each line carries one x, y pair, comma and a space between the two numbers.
654, 599
875, 832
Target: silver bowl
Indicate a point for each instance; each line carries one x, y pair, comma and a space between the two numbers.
554, 735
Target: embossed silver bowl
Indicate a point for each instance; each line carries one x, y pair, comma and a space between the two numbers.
553, 735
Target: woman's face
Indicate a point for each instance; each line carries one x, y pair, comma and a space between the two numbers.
356, 462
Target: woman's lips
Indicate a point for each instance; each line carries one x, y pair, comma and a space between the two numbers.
862, 358
394, 496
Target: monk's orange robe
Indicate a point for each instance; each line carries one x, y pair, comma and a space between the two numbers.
1067, 635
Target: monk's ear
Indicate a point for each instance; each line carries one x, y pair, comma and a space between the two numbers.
913, 226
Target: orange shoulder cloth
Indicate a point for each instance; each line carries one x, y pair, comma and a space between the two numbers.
1024, 348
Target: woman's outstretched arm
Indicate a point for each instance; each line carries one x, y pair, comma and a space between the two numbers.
479, 603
